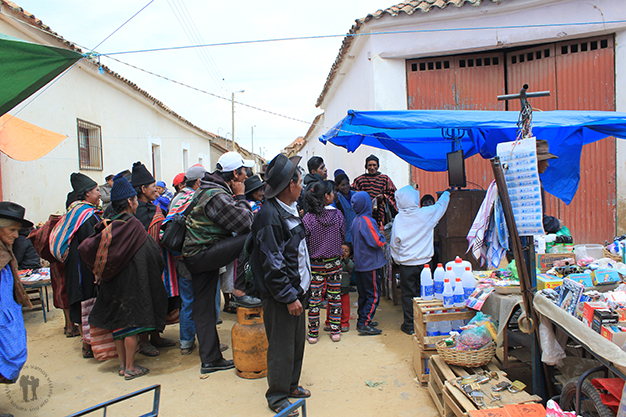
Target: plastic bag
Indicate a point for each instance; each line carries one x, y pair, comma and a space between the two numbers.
552, 351
554, 410
473, 339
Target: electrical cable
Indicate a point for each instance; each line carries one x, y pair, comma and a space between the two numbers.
395, 32
131, 18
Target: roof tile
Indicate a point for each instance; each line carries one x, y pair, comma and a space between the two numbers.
407, 7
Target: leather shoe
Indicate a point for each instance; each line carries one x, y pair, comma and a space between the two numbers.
407, 330
244, 301
284, 405
220, 365
369, 329
300, 392
374, 323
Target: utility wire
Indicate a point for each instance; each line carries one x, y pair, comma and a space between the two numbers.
298, 38
131, 18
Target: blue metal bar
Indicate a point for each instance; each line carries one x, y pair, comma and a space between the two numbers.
292, 407
104, 405
579, 385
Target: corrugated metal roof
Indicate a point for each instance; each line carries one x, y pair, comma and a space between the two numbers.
407, 7
32, 20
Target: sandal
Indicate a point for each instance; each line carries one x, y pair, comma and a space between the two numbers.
122, 371
162, 343
132, 375
345, 329
311, 340
335, 337
187, 351
149, 351
72, 333
87, 353
300, 392
223, 347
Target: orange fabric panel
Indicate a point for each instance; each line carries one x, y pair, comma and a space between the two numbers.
24, 141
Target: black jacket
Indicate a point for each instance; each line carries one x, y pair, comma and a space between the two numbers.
24, 251
308, 181
274, 257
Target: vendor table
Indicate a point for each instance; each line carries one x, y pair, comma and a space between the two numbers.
605, 351
502, 307
42, 287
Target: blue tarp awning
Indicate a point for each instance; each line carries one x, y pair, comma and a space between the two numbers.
422, 137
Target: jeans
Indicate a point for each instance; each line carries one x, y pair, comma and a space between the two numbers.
185, 288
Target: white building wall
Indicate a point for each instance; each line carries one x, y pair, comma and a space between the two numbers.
131, 124
373, 76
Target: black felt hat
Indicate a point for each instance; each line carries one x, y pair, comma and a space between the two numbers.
253, 183
141, 175
279, 174
14, 212
81, 183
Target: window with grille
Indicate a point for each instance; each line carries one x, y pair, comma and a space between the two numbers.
89, 145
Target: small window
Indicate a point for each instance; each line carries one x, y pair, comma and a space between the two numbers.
462, 63
564, 50
513, 59
594, 45
422, 66
89, 145
446, 64
583, 47
546, 53
479, 62
574, 48
413, 67
431, 66
604, 43
530, 56
522, 58
538, 54
438, 65
470, 62
496, 60
487, 62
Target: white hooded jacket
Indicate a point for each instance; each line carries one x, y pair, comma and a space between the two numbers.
412, 234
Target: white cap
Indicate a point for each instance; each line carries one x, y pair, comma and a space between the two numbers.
231, 161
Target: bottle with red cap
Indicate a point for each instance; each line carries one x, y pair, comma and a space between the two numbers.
438, 281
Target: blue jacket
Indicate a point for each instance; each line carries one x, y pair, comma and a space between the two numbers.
367, 241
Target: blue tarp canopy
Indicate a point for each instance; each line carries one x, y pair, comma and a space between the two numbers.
424, 137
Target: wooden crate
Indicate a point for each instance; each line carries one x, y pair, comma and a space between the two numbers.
421, 316
450, 399
421, 359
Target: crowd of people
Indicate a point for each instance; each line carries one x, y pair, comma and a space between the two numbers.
278, 239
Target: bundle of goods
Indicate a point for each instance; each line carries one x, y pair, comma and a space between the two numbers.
474, 346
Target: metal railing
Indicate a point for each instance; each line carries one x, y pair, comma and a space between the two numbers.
104, 405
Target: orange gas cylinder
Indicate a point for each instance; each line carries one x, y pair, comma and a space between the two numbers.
250, 343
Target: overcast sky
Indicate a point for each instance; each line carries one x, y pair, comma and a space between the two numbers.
284, 77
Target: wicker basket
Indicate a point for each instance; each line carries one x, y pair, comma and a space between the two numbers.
610, 255
467, 359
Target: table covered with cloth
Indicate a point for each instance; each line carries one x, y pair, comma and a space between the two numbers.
501, 307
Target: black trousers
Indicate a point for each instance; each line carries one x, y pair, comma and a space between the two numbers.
204, 268
410, 284
285, 335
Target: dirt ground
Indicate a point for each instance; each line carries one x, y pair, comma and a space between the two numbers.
334, 372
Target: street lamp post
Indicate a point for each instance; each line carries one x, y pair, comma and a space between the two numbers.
232, 102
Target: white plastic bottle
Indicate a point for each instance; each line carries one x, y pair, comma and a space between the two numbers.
469, 283
449, 275
458, 293
456, 324
427, 284
448, 303
432, 328
438, 281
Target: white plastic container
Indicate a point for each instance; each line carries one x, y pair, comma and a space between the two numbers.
458, 293
458, 266
469, 282
438, 281
432, 328
594, 251
456, 324
427, 284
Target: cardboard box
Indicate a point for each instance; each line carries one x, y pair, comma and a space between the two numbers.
603, 318
605, 276
619, 338
584, 278
548, 281
545, 261
589, 308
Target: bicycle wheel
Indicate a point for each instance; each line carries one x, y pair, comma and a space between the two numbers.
590, 404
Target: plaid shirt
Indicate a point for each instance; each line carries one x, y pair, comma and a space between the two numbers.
233, 214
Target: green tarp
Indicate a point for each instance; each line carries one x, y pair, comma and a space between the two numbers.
25, 67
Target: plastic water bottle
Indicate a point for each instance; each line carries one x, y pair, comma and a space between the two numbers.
432, 328
458, 293
456, 324
427, 284
449, 275
469, 283
448, 302
438, 281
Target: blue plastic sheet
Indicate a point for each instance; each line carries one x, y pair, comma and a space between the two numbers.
424, 137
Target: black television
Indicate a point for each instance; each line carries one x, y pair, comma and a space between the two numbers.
456, 170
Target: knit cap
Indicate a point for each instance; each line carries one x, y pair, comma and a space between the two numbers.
121, 189
81, 183
141, 175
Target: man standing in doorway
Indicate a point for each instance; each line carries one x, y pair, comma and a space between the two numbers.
282, 275
380, 188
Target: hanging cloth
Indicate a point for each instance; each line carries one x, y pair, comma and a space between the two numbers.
476, 235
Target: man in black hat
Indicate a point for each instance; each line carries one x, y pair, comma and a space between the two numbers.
282, 275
